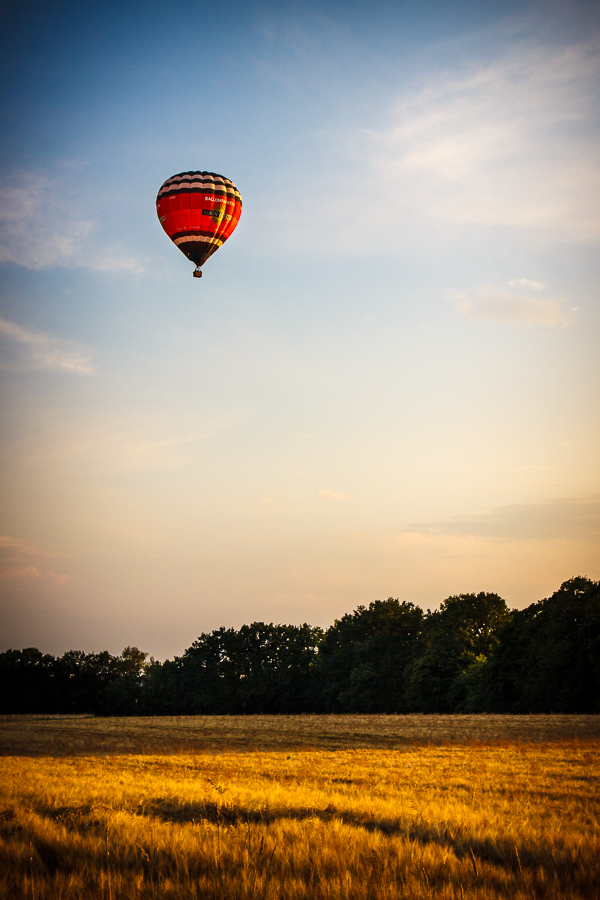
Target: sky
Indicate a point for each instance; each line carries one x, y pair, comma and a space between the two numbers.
387, 381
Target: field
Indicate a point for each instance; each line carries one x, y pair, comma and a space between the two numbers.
300, 807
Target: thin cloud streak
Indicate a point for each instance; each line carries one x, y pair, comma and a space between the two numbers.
112, 444
39, 230
575, 519
23, 561
25, 351
327, 494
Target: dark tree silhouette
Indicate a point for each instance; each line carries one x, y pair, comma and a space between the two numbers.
548, 655
260, 668
458, 639
364, 657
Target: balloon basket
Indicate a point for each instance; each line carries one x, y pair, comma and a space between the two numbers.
197, 273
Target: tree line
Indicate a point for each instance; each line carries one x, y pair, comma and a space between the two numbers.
473, 654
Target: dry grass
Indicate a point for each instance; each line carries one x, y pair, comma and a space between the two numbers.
438, 809
87, 735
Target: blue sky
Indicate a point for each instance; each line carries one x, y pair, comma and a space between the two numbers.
386, 382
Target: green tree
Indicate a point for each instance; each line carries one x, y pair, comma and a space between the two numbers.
276, 667
27, 684
262, 668
120, 694
548, 656
364, 657
162, 689
458, 640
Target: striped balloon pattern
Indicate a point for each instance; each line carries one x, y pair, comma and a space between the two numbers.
199, 211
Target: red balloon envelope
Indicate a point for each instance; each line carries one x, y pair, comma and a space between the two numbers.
198, 210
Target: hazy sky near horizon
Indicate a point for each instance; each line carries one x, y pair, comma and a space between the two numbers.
386, 383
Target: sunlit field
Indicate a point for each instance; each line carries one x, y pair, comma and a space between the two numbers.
300, 807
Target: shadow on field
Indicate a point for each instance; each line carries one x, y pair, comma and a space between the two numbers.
476, 850
491, 860
72, 818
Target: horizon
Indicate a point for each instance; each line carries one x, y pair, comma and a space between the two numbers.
361, 608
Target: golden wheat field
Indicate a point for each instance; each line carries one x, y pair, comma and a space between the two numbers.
300, 807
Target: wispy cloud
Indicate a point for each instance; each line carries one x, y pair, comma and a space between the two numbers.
512, 307
23, 350
509, 143
527, 283
575, 519
115, 444
514, 143
326, 494
24, 561
35, 229
39, 229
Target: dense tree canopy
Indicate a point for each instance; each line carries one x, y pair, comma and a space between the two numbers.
76, 682
548, 655
473, 654
260, 668
364, 656
457, 639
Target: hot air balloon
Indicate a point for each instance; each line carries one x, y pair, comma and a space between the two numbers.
199, 211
